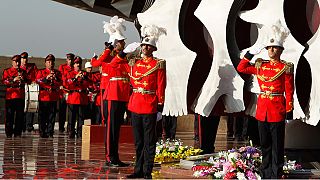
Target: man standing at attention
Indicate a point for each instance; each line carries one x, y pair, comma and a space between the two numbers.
148, 79
275, 78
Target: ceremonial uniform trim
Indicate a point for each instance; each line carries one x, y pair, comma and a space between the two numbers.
289, 66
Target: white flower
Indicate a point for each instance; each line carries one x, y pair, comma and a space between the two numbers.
172, 148
233, 155
241, 176
197, 174
258, 177
218, 174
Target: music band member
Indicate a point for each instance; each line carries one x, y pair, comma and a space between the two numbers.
64, 70
31, 70
49, 80
14, 80
77, 82
117, 93
148, 79
114, 45
96, 98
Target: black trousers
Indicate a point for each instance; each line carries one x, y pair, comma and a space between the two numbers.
62, 113
14, 117
105, 111
47, 111
169, 126
76, 115
96, 117
207, 132
144, 126
272, 146
116, 111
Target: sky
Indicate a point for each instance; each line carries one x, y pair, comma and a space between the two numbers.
41, 27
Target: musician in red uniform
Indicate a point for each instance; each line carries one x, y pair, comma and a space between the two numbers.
96, 97
275, 78
89, 109
14, 80
77, 82
49, 80
64, 70
117, 94
108, 54
114, 45
148, 79
31, 70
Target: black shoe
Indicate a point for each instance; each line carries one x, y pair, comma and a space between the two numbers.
122, 164
9, 135
111, 164
135, 176
147, 176
17, 135
44, 136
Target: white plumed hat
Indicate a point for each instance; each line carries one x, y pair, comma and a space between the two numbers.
115, 29
151, 34
276, 34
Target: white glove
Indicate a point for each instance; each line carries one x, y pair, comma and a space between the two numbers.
94, 55
256, 49
131, 47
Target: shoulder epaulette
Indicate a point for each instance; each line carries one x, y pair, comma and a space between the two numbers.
289, 67
259, 62
162, 63
132, 61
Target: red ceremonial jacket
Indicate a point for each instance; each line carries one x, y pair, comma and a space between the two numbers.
118, 88
64, 70
276, 86
49, 89
96, 86
14, 90
78, 88
102, 61
31, 70
148, 79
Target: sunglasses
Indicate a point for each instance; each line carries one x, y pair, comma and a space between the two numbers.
24, 57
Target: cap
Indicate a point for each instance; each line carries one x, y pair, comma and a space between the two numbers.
276, 34
50, 57
78, 59
16, 57
149, 41
70, 56
87, 65
24, 55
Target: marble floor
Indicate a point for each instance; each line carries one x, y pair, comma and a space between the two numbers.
32, 157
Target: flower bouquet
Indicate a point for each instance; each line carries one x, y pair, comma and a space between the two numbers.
242, 163
172, 151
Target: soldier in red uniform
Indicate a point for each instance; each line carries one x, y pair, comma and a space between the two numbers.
117, 94
14, 80
64, 70
31, 70
148, 79
275, 78
77, 82
49, 80
96, 98
115, 44
108, 54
